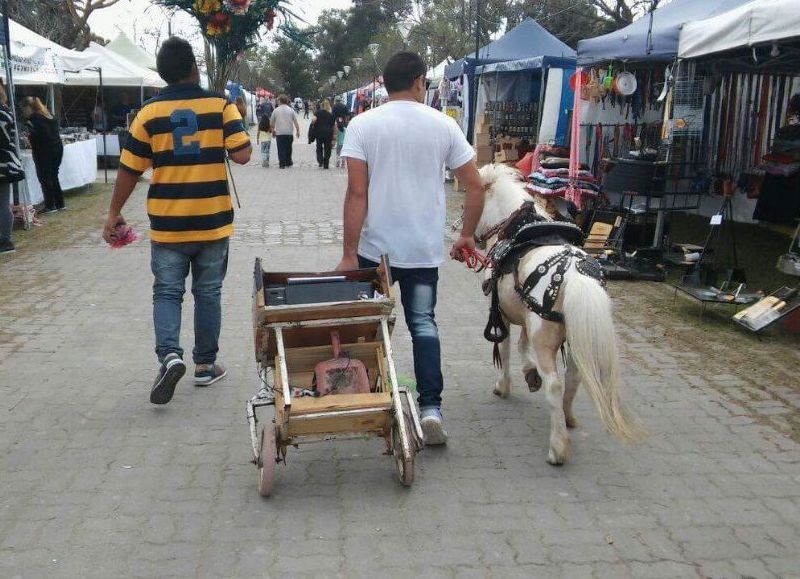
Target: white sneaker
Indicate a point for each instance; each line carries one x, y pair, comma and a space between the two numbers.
433, 427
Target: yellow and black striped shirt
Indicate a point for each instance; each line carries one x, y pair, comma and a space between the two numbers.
183, 134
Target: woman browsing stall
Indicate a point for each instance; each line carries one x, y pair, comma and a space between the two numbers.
47, 150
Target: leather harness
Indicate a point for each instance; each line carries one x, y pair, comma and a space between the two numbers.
523, 231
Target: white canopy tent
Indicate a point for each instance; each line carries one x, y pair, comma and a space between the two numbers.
35, 60
124, 46
117, 71
757, 22
436, 73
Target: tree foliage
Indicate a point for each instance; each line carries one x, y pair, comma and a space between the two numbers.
65, 22
438, 29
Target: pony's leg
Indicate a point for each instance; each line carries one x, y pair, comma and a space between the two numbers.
503, 386
529, 365
571, 380
554, 393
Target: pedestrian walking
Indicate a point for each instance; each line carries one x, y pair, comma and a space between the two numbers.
339, 108
10, 171
395, 205
306, 108
47, 151
284, 127
264, 138
267, 109
324, 123
190, 210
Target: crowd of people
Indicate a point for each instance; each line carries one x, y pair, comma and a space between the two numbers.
279, 120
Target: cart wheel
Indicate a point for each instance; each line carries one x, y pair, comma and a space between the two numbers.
403, 464
266, 473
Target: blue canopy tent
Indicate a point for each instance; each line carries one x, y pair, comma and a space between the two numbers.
654, 36
523, 44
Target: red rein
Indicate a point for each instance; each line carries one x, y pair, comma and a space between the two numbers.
475, 260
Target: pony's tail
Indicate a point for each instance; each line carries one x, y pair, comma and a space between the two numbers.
593, 346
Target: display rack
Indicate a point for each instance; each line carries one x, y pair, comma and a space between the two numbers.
766, 312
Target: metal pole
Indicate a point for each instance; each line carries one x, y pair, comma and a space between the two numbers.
473, 105
543, 77
24, 194
105, 123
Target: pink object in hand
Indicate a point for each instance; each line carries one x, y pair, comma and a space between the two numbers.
123, 235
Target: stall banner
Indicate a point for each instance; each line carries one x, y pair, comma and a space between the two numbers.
29, 61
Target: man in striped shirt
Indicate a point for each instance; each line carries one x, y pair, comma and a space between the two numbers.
183, 135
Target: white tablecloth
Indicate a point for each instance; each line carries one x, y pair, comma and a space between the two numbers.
78, 168
112, 145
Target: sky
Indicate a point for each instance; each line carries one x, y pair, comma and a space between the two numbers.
138, 17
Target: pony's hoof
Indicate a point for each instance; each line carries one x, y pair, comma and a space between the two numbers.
500, 393
571, 422
534, 380
554, 460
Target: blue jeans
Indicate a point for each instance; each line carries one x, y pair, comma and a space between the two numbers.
265, 147
418, 295
171, 262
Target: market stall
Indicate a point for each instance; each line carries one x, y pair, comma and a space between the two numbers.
119, 79
641, 129
749, 60
78, 168
514, 95
528, 40
35, 61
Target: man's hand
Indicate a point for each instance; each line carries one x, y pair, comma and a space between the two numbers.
110, 227
348, 263
463, 243
298, 133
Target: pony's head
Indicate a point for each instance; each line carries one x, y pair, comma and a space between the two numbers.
505, 192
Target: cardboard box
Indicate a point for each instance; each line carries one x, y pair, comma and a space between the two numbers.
483, 139
485, 154
506, 155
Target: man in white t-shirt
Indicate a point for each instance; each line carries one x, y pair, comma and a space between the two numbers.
284, 124
395, 205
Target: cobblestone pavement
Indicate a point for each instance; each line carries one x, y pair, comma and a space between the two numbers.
96, 482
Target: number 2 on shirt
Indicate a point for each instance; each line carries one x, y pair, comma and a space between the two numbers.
185, 123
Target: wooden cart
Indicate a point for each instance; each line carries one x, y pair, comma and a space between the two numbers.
291, 339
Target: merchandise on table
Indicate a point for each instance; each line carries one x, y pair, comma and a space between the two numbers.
514, 119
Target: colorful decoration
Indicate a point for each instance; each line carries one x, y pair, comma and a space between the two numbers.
218, 24
205, 7
237, 7
230, 27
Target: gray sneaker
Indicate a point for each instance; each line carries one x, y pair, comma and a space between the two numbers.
207, 374
433, 426
172, 370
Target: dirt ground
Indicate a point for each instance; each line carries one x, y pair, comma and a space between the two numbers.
761, 375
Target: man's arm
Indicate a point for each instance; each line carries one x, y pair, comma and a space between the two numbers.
355, 211
123, 187
473, 207
296, 125
242, 156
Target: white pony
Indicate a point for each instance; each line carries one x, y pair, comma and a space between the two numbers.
592, 357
